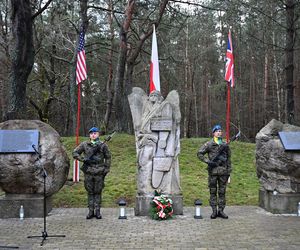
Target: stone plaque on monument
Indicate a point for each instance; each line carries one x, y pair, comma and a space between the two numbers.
18, 141
162, 163
161, 124
290, 140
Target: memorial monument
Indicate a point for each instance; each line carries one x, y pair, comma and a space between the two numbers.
278, 167
22, 163
157, 132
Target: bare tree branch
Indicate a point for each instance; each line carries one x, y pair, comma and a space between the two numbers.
104, 9
41, 10
194, 4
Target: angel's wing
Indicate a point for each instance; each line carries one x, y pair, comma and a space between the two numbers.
173, 99
137, 100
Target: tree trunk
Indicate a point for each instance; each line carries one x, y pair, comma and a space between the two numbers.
22, 57
252, 102
195, 98
266, 86
186, 85
278, 88
123, 120
73, 96
118, 100
109, 91
4, 64
120, 72
289, 55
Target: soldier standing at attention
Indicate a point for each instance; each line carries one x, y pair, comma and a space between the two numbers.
219, 168
96, 160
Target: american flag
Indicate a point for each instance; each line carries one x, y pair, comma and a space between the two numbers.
81, 66
229, 77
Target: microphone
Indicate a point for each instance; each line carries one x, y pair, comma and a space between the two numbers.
35, 150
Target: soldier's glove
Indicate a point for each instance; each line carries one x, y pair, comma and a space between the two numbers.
212, 164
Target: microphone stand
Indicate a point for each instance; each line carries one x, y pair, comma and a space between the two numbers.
44, 233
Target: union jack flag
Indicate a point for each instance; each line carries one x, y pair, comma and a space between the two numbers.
229, 76
81, 73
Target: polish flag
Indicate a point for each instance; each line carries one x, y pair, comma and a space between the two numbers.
154, 67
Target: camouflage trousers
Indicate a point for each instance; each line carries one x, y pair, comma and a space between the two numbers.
93, 185
217, 185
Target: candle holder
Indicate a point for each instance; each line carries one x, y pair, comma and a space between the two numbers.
198, 204
122, 206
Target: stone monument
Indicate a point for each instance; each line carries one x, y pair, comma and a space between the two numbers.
21, 174
156, 124
278, 169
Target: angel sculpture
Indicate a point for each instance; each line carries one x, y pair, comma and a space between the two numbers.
156, 124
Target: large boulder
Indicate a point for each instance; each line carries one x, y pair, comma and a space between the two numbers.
278, 170
22, 173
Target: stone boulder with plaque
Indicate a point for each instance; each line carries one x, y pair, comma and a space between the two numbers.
278, 167
27, 148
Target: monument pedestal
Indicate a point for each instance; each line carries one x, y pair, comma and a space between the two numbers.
142, 204
279, 203
33, 205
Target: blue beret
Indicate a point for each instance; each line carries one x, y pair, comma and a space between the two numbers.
216, 127
94, 129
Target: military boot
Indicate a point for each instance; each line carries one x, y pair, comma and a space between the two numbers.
90, 214
214, 213
98, 214
221, 214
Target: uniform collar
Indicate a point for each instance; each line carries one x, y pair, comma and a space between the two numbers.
218, 140
93, 142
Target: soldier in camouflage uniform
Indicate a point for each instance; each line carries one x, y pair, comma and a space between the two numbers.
218, 171
96, 164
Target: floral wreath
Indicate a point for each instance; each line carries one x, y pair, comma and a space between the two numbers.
161, 207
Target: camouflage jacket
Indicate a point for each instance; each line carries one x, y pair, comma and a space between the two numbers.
98, 154
211, 149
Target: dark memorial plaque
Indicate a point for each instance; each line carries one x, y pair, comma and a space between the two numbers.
18, 141
290, 140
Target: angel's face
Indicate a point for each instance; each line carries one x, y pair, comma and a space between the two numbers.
154, 96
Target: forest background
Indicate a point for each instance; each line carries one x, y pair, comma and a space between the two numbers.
38, 47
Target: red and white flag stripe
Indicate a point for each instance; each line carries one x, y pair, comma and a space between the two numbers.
81, 73
76, 167
154, 67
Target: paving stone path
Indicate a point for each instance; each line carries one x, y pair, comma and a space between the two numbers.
248, 227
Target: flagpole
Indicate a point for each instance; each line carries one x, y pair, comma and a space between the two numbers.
228, 113
81, 75
76, 167
229, 78
78, 115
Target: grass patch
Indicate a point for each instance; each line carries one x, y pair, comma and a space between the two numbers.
121, 181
